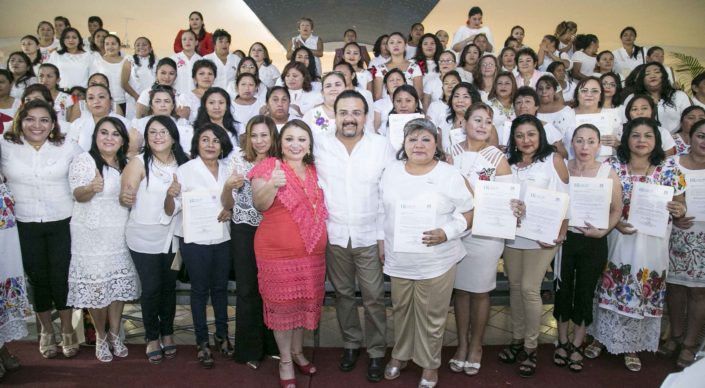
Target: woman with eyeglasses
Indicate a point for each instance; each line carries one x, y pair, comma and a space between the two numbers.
248, 65
433, 86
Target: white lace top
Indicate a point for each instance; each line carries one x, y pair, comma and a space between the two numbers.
244, 212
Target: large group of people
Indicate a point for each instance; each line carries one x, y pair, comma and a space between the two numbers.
119, 170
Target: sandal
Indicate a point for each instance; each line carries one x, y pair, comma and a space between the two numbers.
594, 349
308, 369
527, 368
47, 345
155, 356
223, 345
573, 364
204, 355
286, 383
456, 365
633, 363
471, 368
69, 344
670, 348
686, 357
119, 348
558, 360
392, 372
9, 363
169, 350
510, 354
102, 349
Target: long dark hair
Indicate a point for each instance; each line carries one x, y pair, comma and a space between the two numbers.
38, 56
122, 151
152, 57
667, 91
301, 68
15, 135
617, 98
28, 62
624, 153
436, 55
226, 146
545, 149
201, 34
648, 99
408, 89
66, 30
94, 46
637, 49
360, 63
178, 152
464, 53
312, 72
474, 97
231, 125
377, 49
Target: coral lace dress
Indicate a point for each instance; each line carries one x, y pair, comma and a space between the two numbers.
290, 248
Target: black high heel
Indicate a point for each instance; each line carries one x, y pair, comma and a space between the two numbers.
223, 345
205, 357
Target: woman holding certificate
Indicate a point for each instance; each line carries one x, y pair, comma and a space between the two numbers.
427, 206
291, 270
596, 205
476, 274
202, 192
541, 171
686, 268
631, 292
150, 234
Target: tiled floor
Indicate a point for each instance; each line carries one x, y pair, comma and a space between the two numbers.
497, 331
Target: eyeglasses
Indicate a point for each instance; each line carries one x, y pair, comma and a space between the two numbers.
589, 91
159, 133
609, 85
488, 64
446, 61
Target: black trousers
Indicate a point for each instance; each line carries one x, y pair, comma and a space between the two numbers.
583, 261
253, 340
158, 299
46, 255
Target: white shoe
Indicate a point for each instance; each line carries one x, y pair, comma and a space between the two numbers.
102, 349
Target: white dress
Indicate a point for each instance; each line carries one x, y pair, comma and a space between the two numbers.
101, 270
268, 74
74, 68
243, 113
14, 306
631, 292
141, 78
477, 272
587, 63
624, 63
184, 80
114, 73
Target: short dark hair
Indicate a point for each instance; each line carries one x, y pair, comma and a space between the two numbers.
526, 91
226, 146
530, 52
545, 149
588, 126
624, 153
309, 158
219, 33
350, 94
474, 11
201, 63
583, 41
63, 19
301, 68
96, 19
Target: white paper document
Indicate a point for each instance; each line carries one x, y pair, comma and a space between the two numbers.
493, 213
412, 218
695, 195
647, 210
545, 212
457, 135
606, 121
396, 127
590, 200
201, 209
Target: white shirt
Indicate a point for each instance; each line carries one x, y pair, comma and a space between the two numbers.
184, 80
587, 63
465, 32
445, 186
114, 73
195, 176
350, 183
624, 63
243, 113
74, 68
319, 122
81, 130
305, 100
268, 75
383, 106
39, 179
226, 71
149, 229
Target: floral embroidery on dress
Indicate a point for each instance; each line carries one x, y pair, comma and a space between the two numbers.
630, 293
7, 208
486, 174
321, 122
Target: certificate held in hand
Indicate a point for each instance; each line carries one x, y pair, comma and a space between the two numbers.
648, 213
396, 127
201, 209
411, 219
590, 200
695, 195
545, 212
493, 214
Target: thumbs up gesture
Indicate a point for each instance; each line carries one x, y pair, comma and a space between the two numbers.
128, 195
175, 189
278, 178
236, 180
96, 184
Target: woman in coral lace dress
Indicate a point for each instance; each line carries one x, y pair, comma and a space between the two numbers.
290, 245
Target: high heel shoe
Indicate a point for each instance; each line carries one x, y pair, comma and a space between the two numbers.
205, 357
47, 345
69, 344
119, 348
102, 349
307, 369
8, 361
223, 345
288, 383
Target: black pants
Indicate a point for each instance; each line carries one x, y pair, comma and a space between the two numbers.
208, 267
253, 340
583, 261
46, 256
158, 299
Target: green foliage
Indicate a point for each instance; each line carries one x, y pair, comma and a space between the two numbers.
688, 67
